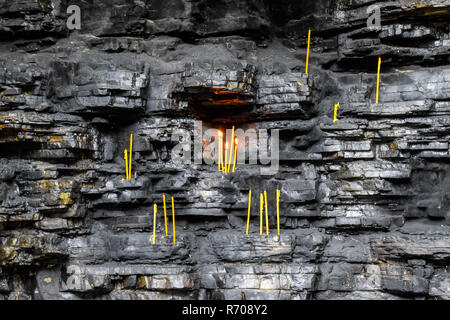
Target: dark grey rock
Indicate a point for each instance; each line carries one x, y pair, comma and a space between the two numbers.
364, 209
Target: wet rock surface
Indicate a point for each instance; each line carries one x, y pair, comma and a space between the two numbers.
364, 201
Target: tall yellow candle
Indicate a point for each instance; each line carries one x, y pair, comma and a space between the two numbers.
154, 223
131, 150
165, 216
219, 152
278, 211
260, 213
231, 149
173, 223
226, 152
378, 77
125, 155
307, 51
249, 206
235, 152
336, 107
267, 212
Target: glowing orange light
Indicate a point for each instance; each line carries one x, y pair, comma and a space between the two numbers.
236, 140
220, 133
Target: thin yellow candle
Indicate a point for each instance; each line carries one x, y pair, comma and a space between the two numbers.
267, 212
226, 152
225, 156
173, 223
131, 150
260, 214
165, 216
154, 223
219, 153
235, 152
125, 155
378, 77
231, 149
278, 211
307, 51
249, 206
336, 107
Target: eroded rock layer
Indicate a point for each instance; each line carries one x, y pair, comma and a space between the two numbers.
364, 201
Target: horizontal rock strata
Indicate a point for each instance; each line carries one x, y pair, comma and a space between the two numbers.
364, 209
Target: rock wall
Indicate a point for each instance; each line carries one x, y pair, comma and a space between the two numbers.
364, 201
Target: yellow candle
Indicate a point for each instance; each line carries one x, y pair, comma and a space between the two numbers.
260, 213
278, 211
267, 212
154, 223
378, 77
231, 149
225, 155
336, 107
125, 155
219, 152
235, 152
307, 51
131, 150
173, 223
249, 206
165, 217
226, 152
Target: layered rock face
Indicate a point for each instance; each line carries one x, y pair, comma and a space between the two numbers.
364, 206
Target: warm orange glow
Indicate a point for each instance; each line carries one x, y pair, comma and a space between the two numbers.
224, 92
228, 102
220, 133
236, 140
